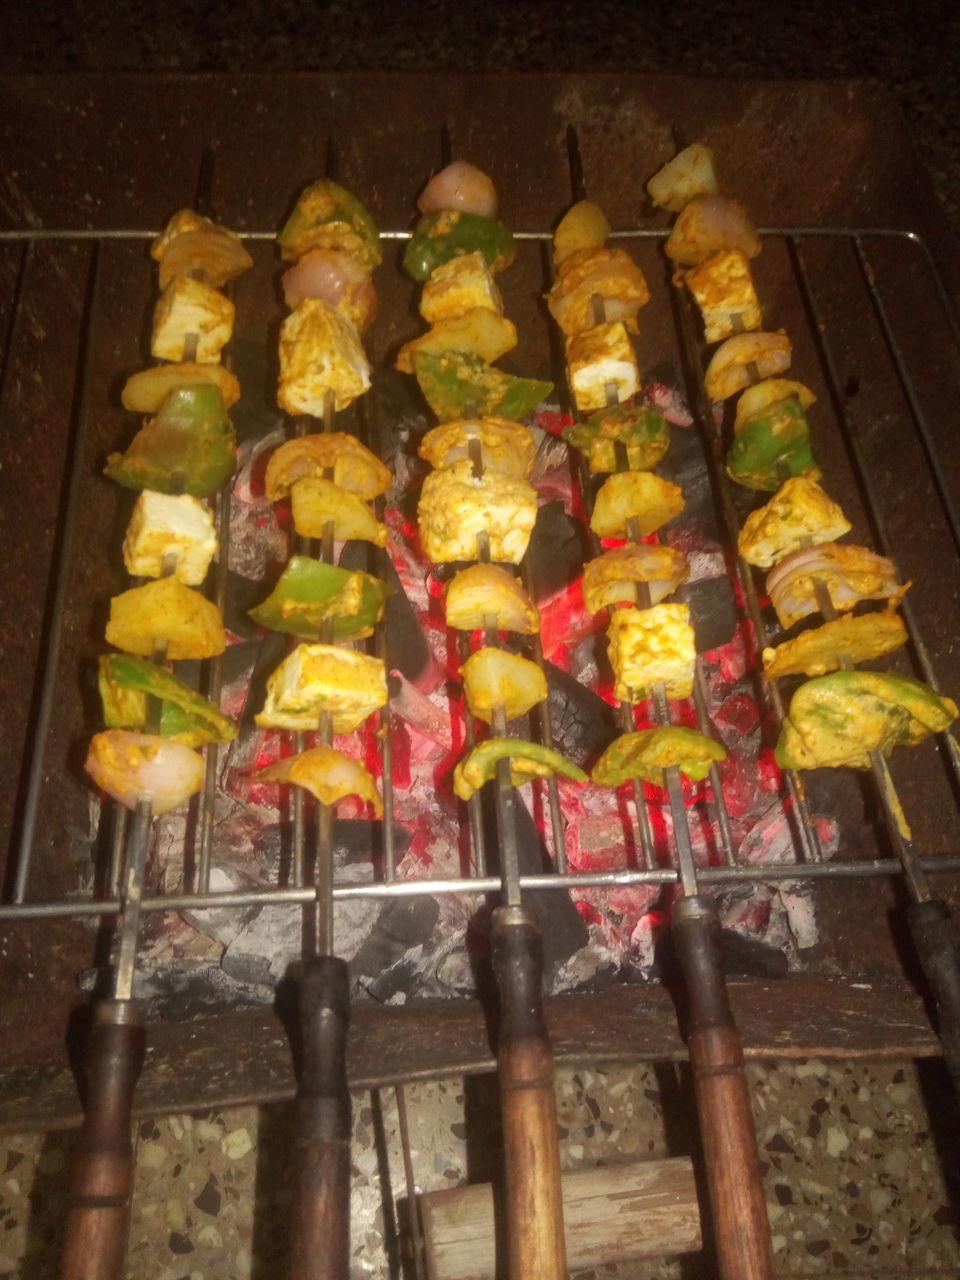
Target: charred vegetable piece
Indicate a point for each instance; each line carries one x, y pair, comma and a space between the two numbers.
644, 431
773, 445
482, 591
647, 753
859, 638
639, 495
316, 501
126, 682
166, 610
838, 719
527, 760
690, 173
189, 447
457, 384
494, 678
478, 332
612, 578
504, 445
584, 226
193, 244
329, 217
135, 767
309, 592
327, 774
354, 467
446, 234
798, 513
322, 677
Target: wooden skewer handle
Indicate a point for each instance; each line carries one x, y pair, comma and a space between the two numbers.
937, 942
320, 1247
534, 1206
741, 1227
98, 1208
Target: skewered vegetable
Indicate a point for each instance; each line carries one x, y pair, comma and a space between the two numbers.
643, 431
797, 514
588, 274
329, 217
460, 186
165, 610
690, 173
189, 308
459, 286
647, 753
744, 359
338, 279
456, 507
838, 719
708, 224
352, 464
612, 578
768, 392
320, 352
309, 592
648, 646
601, 360
504, 446
494, 678
447, 234
528, 760
327, 774
853, 638
634, 495
193, 245
483, 591
189, 447
317, 502
145, 392
144, 767
849, 574
316, 678
723, 290
478, 332
583, 226
456, 383
773, 444
127, 682
170, 533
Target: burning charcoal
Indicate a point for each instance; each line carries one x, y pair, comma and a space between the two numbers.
183, 990
402, 924
713, 611
407, 649
583, 723
683, 465
557, 550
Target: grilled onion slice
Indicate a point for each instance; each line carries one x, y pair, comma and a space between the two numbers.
482, 591
612, 577
850, 574
327, 774
354, 467
494, 678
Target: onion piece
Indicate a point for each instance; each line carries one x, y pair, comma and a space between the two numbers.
708, 224
327, 774
460, 186
850, 574
484, 590
495, 678
336, 277
690, 173
745, 359
133, 767
612, 577
505, 446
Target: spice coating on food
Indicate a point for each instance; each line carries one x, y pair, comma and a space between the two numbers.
797, 514
459, 286
455, 508
601, 360
189, 309
484, 591
317, 678
320, 352
723, 289
166, 610
504, 446
648, 646
352, 464
635, 495
597, 273
494, 678
170, 530
317, 502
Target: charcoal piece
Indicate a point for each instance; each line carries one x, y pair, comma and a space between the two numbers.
402, 924
353, 842
584, 724
407, 648
185, 989
686, 465
557, 550
272, 649
242, 595
713, 611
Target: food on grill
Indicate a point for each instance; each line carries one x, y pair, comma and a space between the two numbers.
329, 217
351, 463
494, 678
456, 507
193, 245
644, 433
849, 574
583, 226
327, 774
320, 352
838, 719
127, 682
459, 286
612, 578
170, 534
318, 678
798, 513
690, 173
851, 638
723, 290
637, 496
588, 275
528, 760
338, 279
456, 384
310, 592
478, 332
651, 646
744, 359
708, 224
647, 753
768, 392
317, 502
601, 366
145, 392
462, 186
165, 611
449, 233
503, 445
144, 767
484, 591
771, 446
187, 310
189, 447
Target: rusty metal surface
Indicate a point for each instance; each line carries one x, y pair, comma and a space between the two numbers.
118, 151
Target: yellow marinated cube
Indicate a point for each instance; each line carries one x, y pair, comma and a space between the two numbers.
458, 286
190, 309
797, 515
651, 646
602, 366
639, 496
456, 508
724, 292
320, 351
317, 678
170, 534
166, 612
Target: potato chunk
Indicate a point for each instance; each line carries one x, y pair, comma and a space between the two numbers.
477, 332
317, 678
634, 495
493, 678
650, 646
316, 501
482, 591
584, 226
690, 173
166, 610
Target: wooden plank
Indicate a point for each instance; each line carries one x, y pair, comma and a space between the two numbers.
647, 1209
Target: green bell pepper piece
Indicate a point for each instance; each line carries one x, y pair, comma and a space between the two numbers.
527, 760
126, 682
309, 592
438, 237
647, 753
189, 447
643, 430
456, 385
327, 204
772, 446
837, 719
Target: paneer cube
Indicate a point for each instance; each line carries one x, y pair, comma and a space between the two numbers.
798, 514
458, 286
456, 508
648, 646
317, 678
602, 366
170, 534
724, 292
320, 351
189, 308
